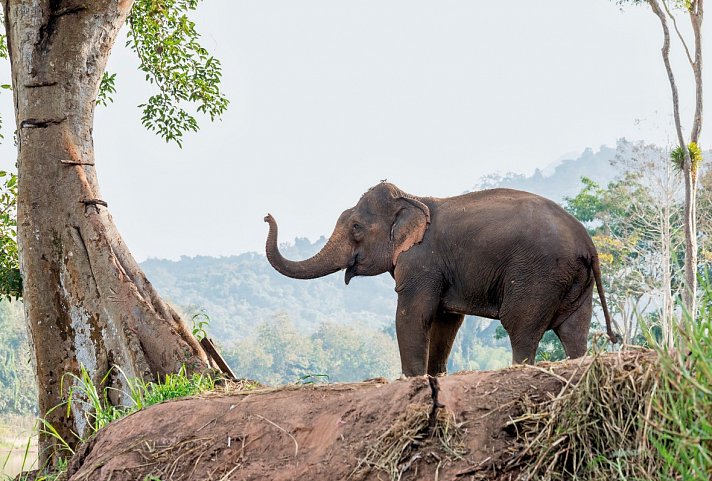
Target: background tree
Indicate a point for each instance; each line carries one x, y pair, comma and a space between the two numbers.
704, 220
687, 155
619, 240
10, 280
87, 302
659, 213
18, 391
636, 223
281, 354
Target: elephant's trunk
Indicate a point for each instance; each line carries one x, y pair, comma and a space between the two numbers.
334, 256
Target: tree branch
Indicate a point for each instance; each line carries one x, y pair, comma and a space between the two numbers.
679, 34
665, 50
696, 15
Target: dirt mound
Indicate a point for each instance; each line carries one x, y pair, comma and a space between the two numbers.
454, 427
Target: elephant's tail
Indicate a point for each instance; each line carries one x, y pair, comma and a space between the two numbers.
596, 266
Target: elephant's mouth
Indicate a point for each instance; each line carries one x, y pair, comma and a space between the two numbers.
351, 270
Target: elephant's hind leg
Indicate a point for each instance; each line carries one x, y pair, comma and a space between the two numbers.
526, 320
442, 335
524, 349
573, 331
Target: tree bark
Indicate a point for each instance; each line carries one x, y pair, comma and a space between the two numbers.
87, 302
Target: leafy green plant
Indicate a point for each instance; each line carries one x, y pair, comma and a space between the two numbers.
99, 412
10, 280
677, 155
175, 386
83, 390
166, 41
200, 321
682, 404
107, 87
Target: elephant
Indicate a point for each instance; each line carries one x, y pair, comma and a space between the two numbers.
498, 253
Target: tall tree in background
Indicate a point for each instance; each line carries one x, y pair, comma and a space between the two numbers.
87, 302
687, 155
659, 216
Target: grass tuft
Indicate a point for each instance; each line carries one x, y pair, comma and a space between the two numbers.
643, 416
594, 429
99, 411
681, 425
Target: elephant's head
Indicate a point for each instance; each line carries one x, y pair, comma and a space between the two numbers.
367, 239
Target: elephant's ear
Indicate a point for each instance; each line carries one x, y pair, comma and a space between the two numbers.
409, 227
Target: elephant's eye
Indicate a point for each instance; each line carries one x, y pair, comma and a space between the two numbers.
357, 226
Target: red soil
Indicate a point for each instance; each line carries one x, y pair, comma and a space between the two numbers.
323, 432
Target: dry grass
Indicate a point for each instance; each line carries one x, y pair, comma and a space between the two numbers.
406, 441
596, 429
166, 462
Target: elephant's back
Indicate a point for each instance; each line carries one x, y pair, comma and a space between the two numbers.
515, 220
500, 243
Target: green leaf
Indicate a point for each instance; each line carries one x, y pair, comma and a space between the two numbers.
10, 280
165, 39
107, 86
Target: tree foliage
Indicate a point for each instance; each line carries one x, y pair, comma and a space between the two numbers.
10, 281
167, 44
618, 217
637, 225
107, 88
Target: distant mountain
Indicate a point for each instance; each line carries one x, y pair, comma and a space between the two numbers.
563, 178
240, 292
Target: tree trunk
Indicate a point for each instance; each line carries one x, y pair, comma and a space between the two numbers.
87, 302
689, 294
666, 315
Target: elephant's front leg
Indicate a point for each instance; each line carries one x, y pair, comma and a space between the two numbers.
442, 335
414, 317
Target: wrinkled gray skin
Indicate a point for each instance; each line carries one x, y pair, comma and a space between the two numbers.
501, 253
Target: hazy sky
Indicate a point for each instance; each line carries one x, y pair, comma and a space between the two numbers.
328, 97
